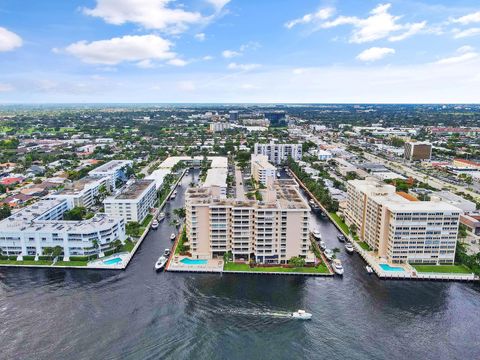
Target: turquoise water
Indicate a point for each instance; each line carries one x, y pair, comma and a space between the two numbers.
112, 261
193, 262
387, 267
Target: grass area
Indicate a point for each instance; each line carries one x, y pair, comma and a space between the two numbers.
444, 269
364, 246
340, 223
231, 266
71, 263
26, 262
180, 246
128, 246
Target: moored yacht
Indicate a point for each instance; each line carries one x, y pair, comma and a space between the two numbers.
337, 267
154, 225
341, 237
161, 216
166, 253
349, 247
173, 236
369, 269
162, 260
323, 245
328, 254
316, 234
174, 195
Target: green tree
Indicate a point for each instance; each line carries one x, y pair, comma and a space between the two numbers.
5, 211
77, 213
297, 261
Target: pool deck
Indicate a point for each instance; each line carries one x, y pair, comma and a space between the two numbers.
212, 266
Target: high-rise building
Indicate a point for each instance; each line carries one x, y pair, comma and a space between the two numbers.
414, 151
400, 229
271, 230
278, 153
276, 118
219, 126
262, 171
233, 116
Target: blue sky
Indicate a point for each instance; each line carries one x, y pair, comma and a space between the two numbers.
240, 51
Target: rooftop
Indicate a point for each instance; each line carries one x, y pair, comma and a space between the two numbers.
134, 190
111, 166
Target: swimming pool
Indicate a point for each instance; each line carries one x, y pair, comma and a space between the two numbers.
113, 261
193, 261
387, 267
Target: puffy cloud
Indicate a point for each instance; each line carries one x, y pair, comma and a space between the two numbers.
200, 36
151, 14
228, 54
380, 24
464, 53
123, 49
243, 67
468, 19
375, 53
177, 62
218, 4
9, 40
321, 14
460, 34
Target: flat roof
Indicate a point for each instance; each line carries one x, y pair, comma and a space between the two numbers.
79, 185
111, 166
134, 190
216, 161
216, 177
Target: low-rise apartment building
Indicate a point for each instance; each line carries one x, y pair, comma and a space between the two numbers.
134, 201
399, 229
278, 153
114, 169
269, 231
262, 171
31, 230
84, 192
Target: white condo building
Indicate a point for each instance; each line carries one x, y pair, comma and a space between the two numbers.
278, 153
262, 171
83, 192
114, 169
400, 229
32, 229
134, 201
270, 231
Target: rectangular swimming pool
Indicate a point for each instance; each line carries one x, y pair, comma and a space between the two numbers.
386, 267
193, 261
112, 261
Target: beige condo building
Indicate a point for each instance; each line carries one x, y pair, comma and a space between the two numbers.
399, 229
270, 231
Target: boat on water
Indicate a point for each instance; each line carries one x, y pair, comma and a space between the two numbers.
369, 269
322, 214
161, 216
316, 234
328, 254
160, 264
278, 175
173, 236
337, 267
341, 238
166, 253
154, 225
323, 245
301, 315
349, 247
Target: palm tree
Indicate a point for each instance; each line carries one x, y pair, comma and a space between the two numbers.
96, 245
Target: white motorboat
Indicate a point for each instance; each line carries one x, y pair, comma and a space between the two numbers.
173, 236
278, 175
341, 237
301, 315
316, 234
174, 195
166, 253
154, 225
369, 269
161, 216
323, 245
349, 247
162, 260
328, 254
337, 267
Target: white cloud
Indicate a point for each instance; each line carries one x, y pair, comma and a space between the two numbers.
128, 48
379, 25
299, 71
468, 19
460, 34
146, 64
321, 14
5, 87
375, 53
218, 4
9, 40
151, 14
228, 54
243, 67
207, 58
200, 36
464, 54
177, 62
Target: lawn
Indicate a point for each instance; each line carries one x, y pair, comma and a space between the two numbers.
364, 246
26, 262
71, 263
443, 269
183, 238
340, 223
128, 246
230, 266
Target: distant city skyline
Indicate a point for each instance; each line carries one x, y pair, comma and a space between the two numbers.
234, 51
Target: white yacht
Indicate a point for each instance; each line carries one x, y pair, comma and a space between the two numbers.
162, 260
173, 236
323, 245
349, 247
328, 254
301, 315
161, 216
369, 269
166, 253
316, 234
174, 195
337, 267
154, 225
